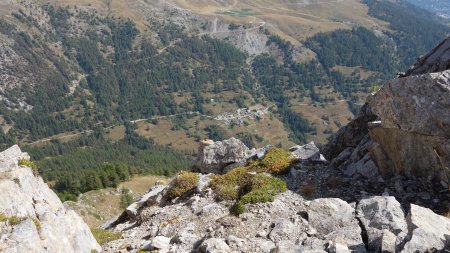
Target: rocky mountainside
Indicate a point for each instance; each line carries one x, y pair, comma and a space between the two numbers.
32, 218
386, 176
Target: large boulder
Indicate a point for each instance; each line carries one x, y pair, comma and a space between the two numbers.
412, 138
381, 216
306, 153
36, 220
429, 232
329, 214
213, 157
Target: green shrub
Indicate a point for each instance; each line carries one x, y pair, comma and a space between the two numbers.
262, 188
3, 217
17, 181
245, 187
30, 164
276, 161
14, 220
227, 186
184, 182
104, 236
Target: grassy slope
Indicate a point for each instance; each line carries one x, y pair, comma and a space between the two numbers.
97, 207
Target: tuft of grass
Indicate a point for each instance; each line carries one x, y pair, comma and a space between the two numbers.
94, 251
308, 190
14, 220
227, 186
3, 217
17, 181
276, 161
243, 186
184, 182
37, 223
30, 164
104, 236
262, 188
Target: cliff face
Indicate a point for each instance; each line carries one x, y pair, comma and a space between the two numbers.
404, 127
32, 218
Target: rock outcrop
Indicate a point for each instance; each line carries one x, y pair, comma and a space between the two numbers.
413, 137
32, 218
214, 157
403, 129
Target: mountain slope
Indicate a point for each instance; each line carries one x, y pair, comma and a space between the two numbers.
138, 78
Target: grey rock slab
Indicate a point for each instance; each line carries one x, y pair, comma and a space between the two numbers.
282, 230
214, 245
428, 231
61, 230
381, 213
329, 214
306, 152
213, 157
160, 242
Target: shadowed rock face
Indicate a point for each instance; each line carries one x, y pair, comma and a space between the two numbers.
413, 137
45, 224
410, 136
436, 60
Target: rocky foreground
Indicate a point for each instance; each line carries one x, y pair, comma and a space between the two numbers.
378, 186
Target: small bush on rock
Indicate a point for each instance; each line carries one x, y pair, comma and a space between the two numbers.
3, 217
276, 161
30, 164
184, 182
14, 220
227, 186
262, 188
245, 186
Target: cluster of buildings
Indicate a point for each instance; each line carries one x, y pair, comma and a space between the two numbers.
238, 116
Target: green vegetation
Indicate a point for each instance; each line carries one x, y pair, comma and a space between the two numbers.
27, 163
249, 184
17, 181
261, 189
3, 217
92, 162
415, 31
244, 12
104, 236
276, 161
356, 47
37, 223
183, 183
14, 220
125, 199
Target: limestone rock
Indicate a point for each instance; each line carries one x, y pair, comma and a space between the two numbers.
305, 152
214, 245
328, 215
282, 230
428, 231
378, 214
213, 157
160, 242
388, 242
26, 196
413, 137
